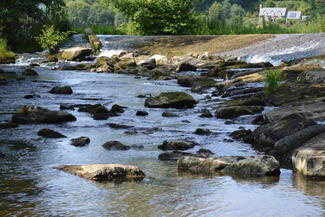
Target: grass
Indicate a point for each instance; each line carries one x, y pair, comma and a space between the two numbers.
272, 81
5, 54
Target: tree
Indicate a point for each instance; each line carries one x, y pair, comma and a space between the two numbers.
24, 19
237, 14
154, 17
215, 18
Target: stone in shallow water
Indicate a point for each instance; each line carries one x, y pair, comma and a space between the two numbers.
115, 145
105, 172
39, 115
260, 165
61, 90
48, 133
171, 100
309, 160
177, 145
80, 142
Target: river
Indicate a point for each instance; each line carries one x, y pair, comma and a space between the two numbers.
31, 187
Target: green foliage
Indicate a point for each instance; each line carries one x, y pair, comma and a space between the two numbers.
157, 17
273, 79
24, 19
50, 38
5, 54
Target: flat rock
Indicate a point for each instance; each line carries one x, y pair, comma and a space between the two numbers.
105, 172
236, 111
260, 165
39, 115
171, 100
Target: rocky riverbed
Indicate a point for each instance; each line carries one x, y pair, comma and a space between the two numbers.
155, 135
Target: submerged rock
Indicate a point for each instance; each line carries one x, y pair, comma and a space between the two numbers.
3, 82
98, 111
117, 109
177, 145
119, 126
242, 135
309, 160
8, 125
206, 114
39, 115
205, 152
76, 53
176, 155
260, 165
29, 72
115, 145
171, 100
48, 133
105, 172
61, 90
80, 142
169, 115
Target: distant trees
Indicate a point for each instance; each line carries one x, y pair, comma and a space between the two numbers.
158, 16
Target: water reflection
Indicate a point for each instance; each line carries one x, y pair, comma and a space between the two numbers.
308, 186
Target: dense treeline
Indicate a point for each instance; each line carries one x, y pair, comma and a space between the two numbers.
22, 21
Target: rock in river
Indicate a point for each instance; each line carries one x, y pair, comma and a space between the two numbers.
177, 145
29, 72
236, 111
115, 145
48, 133
142, 113
260, 165
309, 159
61, 90
80, 142
105, 172
171, 100
39, 115
75, 53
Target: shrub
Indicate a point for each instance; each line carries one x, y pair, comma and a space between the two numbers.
273, 79
50, 39
5, 54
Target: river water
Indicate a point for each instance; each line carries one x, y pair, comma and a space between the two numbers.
31, 187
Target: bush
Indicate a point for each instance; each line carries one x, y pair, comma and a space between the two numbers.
50, 39
273, 79
5, 54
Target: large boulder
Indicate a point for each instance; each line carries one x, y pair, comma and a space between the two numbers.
61, 90
265, 136
95, 42
177, 145
39, 115
105, 172
309, 159
171, 100
98, 111
75, 53
260, 165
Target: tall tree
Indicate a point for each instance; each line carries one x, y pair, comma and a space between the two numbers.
157, 16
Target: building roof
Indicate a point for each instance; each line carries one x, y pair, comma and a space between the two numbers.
294, 15
273, 12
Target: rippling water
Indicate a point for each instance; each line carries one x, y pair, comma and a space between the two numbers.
31, 187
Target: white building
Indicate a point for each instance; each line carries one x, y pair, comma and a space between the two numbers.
272, 14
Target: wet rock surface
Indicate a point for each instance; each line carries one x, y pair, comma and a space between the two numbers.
177, 145
260, 165
115, 145
76, 53
80, 142
39, 115
171, 100
61, 90
48, 133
